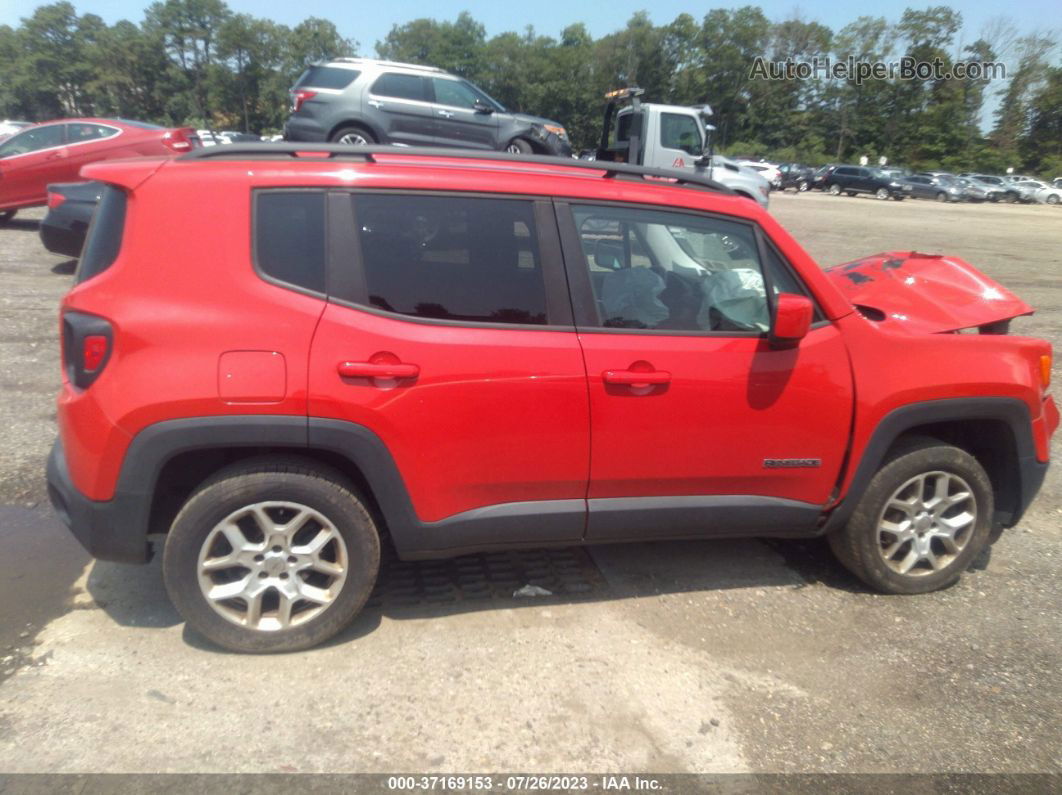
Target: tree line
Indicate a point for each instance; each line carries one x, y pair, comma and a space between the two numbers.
196, 62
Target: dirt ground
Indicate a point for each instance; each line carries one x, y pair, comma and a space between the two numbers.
673, 657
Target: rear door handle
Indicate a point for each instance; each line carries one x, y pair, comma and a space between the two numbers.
377, 370
636, 377
59, 155
376, 103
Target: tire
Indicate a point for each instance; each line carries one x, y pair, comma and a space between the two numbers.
1052, 199
518, 146
7, 215
255, 501
353, 135
1009, 198
941, 196
835, 189
802, 186
881, 194
878, 556
899, 198
850, 192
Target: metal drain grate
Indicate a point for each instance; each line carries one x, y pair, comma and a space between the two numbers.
493, 575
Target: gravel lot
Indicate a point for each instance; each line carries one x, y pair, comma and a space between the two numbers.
699, 657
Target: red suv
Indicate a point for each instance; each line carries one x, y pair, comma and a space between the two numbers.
470, 351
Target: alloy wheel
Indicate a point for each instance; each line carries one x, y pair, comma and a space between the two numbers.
882, 194
926, 523
272, 565
353, 139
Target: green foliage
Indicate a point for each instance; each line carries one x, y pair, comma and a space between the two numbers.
195, 61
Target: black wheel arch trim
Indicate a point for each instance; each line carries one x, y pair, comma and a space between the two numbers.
1013, 412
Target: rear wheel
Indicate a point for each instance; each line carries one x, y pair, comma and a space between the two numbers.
271, 555
1052, 199
835, 190
925, 516
942, 196
353, 136
802, 186
850, 192
881, 194
7, 215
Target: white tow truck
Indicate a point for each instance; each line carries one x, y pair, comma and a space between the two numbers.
671, 137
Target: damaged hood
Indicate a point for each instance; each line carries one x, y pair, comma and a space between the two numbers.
926, 293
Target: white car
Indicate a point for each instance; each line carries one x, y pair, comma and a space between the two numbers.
1035, 190
769, 171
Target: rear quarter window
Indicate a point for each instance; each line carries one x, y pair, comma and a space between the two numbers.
104, 238
327, 77
289, 237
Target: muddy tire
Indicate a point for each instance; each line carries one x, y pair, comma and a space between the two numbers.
924, 518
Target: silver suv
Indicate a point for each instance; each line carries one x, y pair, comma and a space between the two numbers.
361, 101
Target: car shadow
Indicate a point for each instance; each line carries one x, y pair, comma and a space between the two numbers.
134, 595
22, 224
65, 268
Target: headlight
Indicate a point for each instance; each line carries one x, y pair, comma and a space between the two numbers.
557, 130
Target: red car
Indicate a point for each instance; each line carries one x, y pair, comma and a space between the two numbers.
57, 150
481, 352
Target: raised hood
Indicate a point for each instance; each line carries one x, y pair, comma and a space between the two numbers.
926, 293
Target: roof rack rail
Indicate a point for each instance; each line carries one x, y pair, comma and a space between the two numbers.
397, 64
367, 154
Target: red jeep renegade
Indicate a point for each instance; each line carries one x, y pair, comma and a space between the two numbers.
274, 354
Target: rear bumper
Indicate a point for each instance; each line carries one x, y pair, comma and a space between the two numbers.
62, 240
307, 130
110, 530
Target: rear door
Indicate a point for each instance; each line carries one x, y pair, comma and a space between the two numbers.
698, 425
29, 161
457, 122
449, 335
88, 142
400, 105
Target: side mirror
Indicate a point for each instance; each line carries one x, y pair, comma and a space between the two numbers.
608, 254
482, 107
792, 319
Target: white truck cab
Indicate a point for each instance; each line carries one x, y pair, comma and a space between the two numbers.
672, 137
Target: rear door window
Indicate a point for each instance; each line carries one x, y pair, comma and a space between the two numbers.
83, 131
104, 238
452, 258
399, 86
289, 237
327, 77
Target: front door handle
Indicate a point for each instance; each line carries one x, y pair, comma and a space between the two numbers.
58, 155
377, 370
636, 378
446, 114
376, 103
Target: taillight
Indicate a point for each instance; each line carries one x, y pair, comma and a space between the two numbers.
299, 96
1045, 370
88, 342
55, 199
93, 352
178, 140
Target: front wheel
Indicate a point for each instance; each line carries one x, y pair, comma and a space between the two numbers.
7, 215
881, 194
942, 196
1052, 199
835, 190
519, 146
802, 186
925, 516
271, 555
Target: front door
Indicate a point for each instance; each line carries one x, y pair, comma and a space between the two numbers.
698, 425
457, 121
29, 161
449, 336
